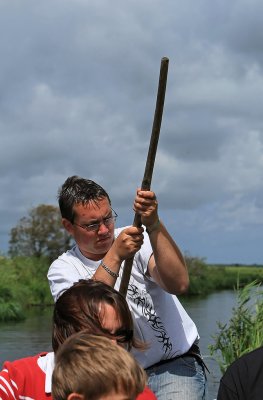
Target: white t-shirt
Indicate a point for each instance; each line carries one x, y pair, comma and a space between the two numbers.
159, 318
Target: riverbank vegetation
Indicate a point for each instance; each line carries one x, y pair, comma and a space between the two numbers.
207, 278
24, 282
244, 331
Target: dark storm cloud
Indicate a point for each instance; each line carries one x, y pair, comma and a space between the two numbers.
78, 83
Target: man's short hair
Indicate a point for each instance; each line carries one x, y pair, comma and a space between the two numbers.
77, 190
93, 366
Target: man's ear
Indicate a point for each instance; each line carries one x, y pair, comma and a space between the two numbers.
67, 225
75, 396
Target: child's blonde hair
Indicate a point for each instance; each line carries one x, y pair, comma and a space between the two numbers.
94, 366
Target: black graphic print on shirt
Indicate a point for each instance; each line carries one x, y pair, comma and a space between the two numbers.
142, 300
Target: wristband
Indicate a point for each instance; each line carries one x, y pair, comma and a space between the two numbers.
112, 273
153, 227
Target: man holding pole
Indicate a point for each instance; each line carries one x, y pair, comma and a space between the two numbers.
172, 360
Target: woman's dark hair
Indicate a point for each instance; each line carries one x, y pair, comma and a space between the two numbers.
80, 307
77, 190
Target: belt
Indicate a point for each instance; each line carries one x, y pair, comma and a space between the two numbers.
194, 351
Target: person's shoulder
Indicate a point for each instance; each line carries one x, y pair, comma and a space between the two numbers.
72, 252
258, 352
248, 359
252, 361
21, 369
23, 362
253, 358
70, 256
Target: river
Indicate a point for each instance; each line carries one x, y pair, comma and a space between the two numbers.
33, 335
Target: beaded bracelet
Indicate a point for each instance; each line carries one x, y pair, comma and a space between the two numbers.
153, 227
112, 273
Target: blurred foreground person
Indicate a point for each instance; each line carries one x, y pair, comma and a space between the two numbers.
243, 379
88, 305
89, 367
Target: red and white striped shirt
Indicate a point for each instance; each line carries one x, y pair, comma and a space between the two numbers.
23, 379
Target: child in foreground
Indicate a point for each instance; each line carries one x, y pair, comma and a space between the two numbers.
89, 367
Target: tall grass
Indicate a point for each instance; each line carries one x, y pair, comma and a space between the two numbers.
10, 311
244, 332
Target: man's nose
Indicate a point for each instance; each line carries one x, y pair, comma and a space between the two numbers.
103, 228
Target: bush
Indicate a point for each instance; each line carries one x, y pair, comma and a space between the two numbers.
205, 279
199, 282
23, 283
32, 287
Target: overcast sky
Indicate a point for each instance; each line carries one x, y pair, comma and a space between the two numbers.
78, 85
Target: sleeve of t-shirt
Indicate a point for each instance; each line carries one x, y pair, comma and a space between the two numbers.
61, 276
10, 381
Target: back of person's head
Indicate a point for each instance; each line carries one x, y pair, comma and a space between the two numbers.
89, 367
81, 307
77, 190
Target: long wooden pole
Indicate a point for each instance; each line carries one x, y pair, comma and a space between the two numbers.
147, 178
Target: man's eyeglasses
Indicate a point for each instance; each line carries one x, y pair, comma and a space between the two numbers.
95, 227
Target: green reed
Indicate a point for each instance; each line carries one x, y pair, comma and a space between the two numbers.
244, 332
